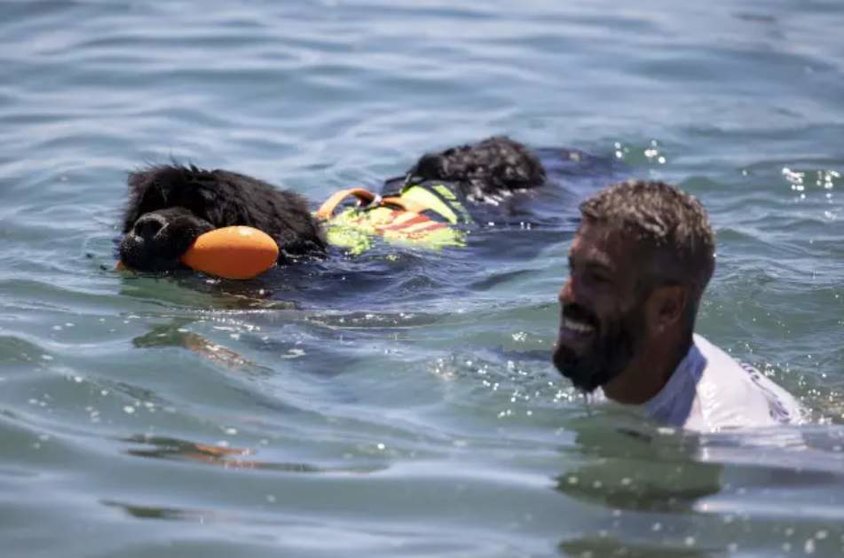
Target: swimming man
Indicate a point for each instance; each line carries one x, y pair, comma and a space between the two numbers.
639, 263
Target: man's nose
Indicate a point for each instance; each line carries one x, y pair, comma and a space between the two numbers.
566, 295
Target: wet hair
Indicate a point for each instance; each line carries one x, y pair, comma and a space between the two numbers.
673, 230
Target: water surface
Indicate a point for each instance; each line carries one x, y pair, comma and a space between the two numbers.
402, 404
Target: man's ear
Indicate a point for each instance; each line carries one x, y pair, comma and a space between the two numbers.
666, 307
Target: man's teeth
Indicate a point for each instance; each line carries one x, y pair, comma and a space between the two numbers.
579, 327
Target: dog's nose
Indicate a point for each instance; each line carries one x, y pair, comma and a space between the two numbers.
147, 226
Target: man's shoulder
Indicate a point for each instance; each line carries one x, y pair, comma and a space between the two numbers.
733, 394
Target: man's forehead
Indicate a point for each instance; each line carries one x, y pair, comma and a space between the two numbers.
602, 243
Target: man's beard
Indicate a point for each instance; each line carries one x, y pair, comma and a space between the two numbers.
615, 344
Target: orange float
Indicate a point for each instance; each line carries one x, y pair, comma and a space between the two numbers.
232, 253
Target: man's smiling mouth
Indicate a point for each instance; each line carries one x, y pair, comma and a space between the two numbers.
578, 327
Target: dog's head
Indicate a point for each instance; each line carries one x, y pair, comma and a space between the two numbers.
157, 239
163, 217
170, 205
486, 170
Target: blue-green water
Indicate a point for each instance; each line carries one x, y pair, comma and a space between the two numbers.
404, 406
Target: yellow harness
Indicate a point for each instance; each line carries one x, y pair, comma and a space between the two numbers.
427, 214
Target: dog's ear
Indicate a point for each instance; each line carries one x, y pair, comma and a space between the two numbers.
429, 167
216, 196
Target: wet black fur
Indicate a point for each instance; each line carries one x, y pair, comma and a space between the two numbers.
170, 205
494, 167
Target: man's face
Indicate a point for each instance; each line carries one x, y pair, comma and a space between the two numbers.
602, 319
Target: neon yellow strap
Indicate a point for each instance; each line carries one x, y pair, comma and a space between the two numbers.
424, 198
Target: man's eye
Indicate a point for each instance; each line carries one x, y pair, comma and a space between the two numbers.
597, 277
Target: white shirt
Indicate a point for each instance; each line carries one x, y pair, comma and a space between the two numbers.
710, 391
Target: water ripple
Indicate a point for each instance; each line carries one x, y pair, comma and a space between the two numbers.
402, 403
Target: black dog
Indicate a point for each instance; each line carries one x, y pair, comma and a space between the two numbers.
170, 205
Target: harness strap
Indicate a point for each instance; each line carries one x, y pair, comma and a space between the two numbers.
404, 203
365, 198
326, 210
401, 217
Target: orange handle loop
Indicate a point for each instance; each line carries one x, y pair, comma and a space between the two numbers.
364, 196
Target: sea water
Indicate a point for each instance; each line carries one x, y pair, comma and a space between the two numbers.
402, 403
